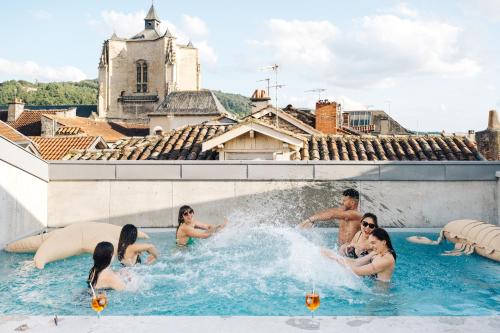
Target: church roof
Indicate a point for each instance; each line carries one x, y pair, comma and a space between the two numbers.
152, 14
192, 103
147, 34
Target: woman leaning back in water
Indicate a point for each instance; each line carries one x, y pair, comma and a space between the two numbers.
360, 244
129, 251
188, 228
101, 276
378, 264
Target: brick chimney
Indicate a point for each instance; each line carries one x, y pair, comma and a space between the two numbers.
15, 109
327, 116
488, 141
259, 100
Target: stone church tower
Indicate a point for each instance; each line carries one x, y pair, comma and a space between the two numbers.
137, 73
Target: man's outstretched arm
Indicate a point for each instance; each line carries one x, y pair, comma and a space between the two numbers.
328, 214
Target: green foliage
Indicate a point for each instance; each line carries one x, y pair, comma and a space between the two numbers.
239, 105
54, 93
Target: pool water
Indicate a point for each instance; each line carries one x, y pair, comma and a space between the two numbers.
259, 270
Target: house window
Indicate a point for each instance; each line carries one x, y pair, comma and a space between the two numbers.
142, 76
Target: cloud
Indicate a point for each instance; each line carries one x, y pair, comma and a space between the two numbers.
29, 70
300, 42
207, 53
194, 26
377, 52
126, 25
123, 24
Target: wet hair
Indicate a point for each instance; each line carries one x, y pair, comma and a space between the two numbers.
372, 216
382, 235
128, 236
102, 256
351, 193
182, 211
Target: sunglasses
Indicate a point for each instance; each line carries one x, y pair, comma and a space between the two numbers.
371, 225
187, 212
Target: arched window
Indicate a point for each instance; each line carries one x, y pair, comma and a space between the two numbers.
142, 76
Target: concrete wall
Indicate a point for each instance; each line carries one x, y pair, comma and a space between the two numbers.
23, 192
149, 193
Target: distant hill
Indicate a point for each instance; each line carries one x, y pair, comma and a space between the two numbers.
85, 92
237, 104
54, 93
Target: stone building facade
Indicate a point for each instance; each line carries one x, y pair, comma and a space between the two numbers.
137, 73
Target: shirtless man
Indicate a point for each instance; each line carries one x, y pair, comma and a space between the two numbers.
348, 215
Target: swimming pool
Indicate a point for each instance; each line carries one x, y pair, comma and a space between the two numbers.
260, 270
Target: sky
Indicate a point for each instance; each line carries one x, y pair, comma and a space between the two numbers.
432, 65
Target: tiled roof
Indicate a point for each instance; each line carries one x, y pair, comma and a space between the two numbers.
109, 131
186, 144
394, 148
192, 103
306, 117
68, 130
10, 133
54, 148
181, 144
29, 122
286, 121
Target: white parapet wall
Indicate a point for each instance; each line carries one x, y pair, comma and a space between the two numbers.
23, 192
149, 193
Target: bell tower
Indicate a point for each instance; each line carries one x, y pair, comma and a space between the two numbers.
152, 21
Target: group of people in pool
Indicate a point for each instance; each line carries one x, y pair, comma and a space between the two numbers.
101, 276
364, 247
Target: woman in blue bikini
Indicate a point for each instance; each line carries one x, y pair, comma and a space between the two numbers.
188, 228
378, 264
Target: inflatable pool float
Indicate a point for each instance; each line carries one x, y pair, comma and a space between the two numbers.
70, 241
469, 236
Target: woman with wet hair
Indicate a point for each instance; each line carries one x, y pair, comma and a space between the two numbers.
188, 228
378, 264
129, 251
101, 276
360, 244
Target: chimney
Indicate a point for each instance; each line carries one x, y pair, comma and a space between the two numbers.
15, 109
327, 116
488, 141
493, 123
259, 100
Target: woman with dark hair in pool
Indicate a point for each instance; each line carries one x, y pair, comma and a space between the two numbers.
360, 244
378, 264
129, 251
187, 227
100, 275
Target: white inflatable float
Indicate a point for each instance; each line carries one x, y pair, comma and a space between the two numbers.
70, 241
469, 236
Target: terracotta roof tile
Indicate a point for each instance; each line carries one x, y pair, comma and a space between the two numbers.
68, 130
109, 131
29, 122
54, 148
11, 134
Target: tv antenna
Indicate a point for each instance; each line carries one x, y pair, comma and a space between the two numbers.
317, 90
274, 68
268, 86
